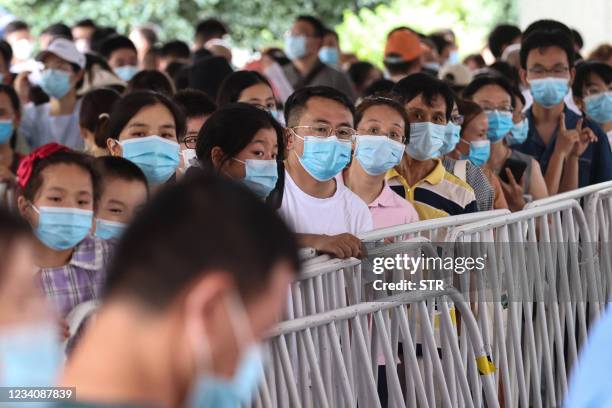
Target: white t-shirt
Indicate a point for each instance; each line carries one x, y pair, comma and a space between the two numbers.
341, 213
38, 127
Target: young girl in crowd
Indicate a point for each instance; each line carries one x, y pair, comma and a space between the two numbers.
95, 105
382, 134
144, 127
10, 144
249, 149
123, 192
496, 97
58, 192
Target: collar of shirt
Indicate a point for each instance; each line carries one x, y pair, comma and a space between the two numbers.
89, 254
386, 198
435, 177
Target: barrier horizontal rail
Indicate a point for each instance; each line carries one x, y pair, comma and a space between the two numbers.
573, 194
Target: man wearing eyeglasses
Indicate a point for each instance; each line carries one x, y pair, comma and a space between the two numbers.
325, 214
572, 151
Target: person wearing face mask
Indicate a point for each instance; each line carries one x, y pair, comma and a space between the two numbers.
144, 127
403, 53
95, 108
302, 45
324, 213
421, 177
592, 90
194, 305
249, 150
82, 31
58, 191
329, 53
123, 192
121, 55
6, 55
572, 151
506, 124
249, 87
57, 120
11, 144
380, 142
197, 108
30, 352
17, 34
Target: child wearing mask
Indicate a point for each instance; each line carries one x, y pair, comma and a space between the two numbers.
144, 127
380, 143
249, 87
58, 120
58, 192
246, 149
123, 192
96, 105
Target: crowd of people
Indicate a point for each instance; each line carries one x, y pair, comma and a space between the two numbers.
153, 197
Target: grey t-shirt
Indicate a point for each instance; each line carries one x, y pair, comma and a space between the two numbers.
474, 176
325, 75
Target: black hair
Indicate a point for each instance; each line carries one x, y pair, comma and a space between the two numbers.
132, 103
175, 48
481, 81
516, 92
277, 55
440, 42
367, 103
428, 87
207, 74
86, 22
172, 69
477, 58
99, 36
577, 38
81, 160
113, 167
317, 25
151, 80
210, 28
296, 103
6, 51
333, 32
223, 129
543, 38
15, 104
236, 82
399, 67
93, 104
15, 25
194, 103
547, 25
508, 71
358, 72
379, 88
59, 30
13, 229
159, 256
501, 36
586, 69
201, 54
469, 110
114, 43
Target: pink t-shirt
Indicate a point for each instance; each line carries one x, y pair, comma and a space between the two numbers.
389, 209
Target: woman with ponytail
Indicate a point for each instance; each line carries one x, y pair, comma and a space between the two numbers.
95, 109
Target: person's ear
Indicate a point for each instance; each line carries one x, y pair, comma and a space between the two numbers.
289, 139
114, 147
216, 157
523, 75
25, 209
572, 76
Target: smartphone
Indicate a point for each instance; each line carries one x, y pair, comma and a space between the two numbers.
517, 167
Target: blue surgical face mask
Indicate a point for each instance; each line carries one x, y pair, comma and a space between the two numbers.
377, 154
55, 82
518, 133
126, 72
30, 355
453, 58
157, 157
261, 176
278, 115
480, 150
549, 91
324, 158
295, 46
599, 107
106, 229
62, 228
329, 55
500, 124
432, 66
451, 138
426, 140
6, 130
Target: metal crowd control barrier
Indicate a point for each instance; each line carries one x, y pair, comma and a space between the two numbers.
355, 334
573, 194
541, 264
598, 212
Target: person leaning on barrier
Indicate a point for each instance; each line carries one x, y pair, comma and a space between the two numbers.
195, 294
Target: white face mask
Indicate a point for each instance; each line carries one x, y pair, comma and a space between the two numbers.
82, 45
189, 159
22, 49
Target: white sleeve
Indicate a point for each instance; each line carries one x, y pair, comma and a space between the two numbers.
364, 221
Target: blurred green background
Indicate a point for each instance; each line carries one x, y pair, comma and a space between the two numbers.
362, 24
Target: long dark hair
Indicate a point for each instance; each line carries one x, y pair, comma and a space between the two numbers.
14, 99
95, 106
236, 82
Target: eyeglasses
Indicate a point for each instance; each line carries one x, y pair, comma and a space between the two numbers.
190, 141
502, 109
457, 119
393, 135
342, 133
556, 71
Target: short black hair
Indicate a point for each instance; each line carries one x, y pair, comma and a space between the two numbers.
194, 103
151, 80
114, 43
392, 103
210, 28
400, 67
99, 36
159, 256
440, 42
317, 25
487, 79
577, 38
207, 74
547, 25
15, 25
381, 87
172, 69
477, 58
428, 87
508, 71
86, 22
502, 35
95, 105
236, 82
327, 31
543, 38
296, 103
175, 48
113, 167
585, 69
6, 51
358, 72
59, 30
